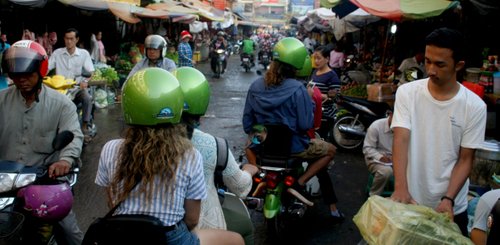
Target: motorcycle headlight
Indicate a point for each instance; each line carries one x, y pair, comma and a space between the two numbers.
6, 181
25, 179
220, 51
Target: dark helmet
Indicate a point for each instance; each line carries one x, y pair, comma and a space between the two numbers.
26, 56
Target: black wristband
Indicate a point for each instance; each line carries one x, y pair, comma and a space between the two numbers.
450, 199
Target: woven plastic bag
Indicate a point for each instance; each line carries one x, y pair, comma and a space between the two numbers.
383, 221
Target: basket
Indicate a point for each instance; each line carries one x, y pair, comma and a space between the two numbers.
10, 225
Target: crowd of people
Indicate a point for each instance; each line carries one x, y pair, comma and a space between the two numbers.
164, 165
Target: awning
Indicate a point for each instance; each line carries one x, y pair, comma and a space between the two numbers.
399, 10
204, 10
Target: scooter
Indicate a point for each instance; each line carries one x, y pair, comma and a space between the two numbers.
352, 118
221, 60
69, 88
265, 60
280, 203
246, 62
15, 178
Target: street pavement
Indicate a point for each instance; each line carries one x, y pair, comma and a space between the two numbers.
349, 174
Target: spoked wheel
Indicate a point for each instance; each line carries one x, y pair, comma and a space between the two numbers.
348, 141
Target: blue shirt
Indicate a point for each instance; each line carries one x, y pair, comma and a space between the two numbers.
185, 55
165, 63
189, 184
288, 104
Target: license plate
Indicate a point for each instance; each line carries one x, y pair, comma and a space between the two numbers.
265, 56
245, 59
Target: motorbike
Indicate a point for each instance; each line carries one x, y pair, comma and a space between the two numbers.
20, 204
265, 60
221, 60
274, 194
352, 117
69, 88
246, 62
237, 47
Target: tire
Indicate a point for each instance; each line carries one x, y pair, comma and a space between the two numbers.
247, 68
277, 226
347, 141
218, 69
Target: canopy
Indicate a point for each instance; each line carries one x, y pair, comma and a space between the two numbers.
399, 10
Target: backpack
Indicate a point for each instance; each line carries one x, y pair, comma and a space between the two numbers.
222, 157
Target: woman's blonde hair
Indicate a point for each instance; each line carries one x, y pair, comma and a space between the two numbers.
278, 72
147, 153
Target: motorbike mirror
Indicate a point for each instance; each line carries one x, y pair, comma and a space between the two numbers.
62, 140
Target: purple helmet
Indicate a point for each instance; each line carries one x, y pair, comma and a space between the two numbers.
47, 202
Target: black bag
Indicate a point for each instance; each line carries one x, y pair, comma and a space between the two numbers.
126, 229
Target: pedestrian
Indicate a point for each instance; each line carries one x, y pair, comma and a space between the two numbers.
185, 51
3, 74
278, 97
97, 50
437, 124
75, 63
417, 61
36, 114
328, 83
155, 170
238, 180
155, 48
337, 58
377, 149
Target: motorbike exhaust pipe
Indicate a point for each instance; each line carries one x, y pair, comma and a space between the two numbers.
259, 189
300, 197
349, 130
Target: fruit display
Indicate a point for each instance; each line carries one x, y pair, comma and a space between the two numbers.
107, 74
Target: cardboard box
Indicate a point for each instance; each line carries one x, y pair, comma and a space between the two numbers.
380, 92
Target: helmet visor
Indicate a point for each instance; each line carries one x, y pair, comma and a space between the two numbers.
22, 60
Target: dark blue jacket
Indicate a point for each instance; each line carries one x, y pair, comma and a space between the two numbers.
288, 103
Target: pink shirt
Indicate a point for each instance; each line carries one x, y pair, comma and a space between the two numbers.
336, 59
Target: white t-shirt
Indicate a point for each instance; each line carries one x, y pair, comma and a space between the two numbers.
437, 131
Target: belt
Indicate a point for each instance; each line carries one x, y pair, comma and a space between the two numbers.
170, 228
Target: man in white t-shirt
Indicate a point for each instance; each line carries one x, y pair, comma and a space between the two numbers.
417, 61
437, 125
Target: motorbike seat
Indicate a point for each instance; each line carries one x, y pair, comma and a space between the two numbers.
379, 108
275, 149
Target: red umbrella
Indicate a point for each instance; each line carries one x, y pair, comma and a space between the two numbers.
398, 10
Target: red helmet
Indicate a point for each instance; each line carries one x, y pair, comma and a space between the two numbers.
26, 56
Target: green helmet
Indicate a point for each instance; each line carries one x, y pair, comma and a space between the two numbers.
194, 86
291, 51
152, 96
306, 69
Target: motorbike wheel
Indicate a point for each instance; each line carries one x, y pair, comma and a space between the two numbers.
247, 68
277, 226
218, 70
344, 140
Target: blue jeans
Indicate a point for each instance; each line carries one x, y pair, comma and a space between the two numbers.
182, 236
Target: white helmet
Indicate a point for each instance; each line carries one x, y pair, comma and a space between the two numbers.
156, 42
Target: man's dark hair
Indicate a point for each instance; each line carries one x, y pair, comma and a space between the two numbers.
450, 39
77, 34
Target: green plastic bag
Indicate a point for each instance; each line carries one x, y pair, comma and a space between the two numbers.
383, 221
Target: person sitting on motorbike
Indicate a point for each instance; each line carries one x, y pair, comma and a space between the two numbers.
279, 98
155, 51
33, 115
265, 46
155, 170
239, 181
75, 63
219, 43
247, 49
329, 83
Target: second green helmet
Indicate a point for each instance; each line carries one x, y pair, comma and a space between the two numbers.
152, 96
306, 70
194, 86
291, 51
